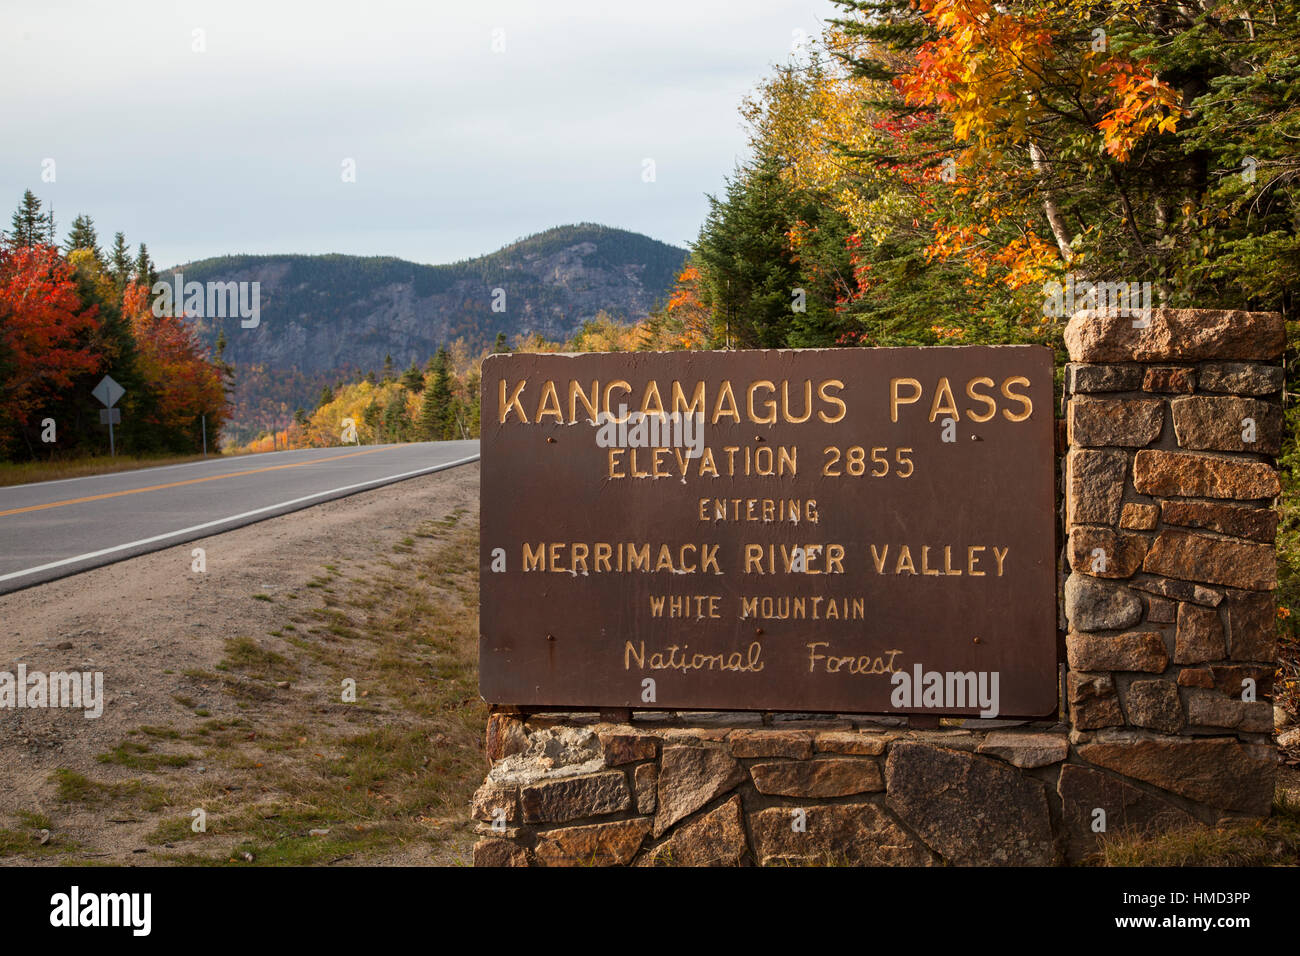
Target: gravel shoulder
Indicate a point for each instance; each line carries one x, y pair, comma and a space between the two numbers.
222, 692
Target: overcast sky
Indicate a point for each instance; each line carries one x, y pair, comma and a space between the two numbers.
458, 147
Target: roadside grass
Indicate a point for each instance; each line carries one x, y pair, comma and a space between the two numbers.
245, 654
140, 756
27, 843
302, 773
1271, 842
32, 838
74, 787
27, 472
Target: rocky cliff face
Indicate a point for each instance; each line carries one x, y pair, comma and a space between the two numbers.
322, 313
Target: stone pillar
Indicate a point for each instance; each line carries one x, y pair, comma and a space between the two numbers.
1173, 426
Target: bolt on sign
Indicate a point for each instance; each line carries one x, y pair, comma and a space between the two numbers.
845, 530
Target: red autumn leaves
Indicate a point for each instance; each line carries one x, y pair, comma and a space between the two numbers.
46, 336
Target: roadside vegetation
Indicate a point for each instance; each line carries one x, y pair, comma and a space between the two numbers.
355, 735
21, 473
1271, 842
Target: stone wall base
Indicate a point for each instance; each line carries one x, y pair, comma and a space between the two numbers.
739, 789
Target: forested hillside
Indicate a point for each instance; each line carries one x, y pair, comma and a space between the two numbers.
322, 312
326, 319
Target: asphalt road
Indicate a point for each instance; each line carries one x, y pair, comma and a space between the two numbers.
52, 529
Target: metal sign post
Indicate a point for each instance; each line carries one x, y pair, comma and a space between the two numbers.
108, 392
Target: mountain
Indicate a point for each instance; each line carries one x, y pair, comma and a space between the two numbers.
321, 313
323, 318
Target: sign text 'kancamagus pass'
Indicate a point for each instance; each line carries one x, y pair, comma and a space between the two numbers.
847, 530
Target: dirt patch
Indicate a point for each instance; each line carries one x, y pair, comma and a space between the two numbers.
225, 692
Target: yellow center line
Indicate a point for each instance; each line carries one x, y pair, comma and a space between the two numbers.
191, 481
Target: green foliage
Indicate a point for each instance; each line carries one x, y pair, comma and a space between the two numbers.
1205, 209
82, 235
438, 411
412, 380
1203, 205
29, 225
145, 272
1288, 529
396, 424
750, 274
119, 261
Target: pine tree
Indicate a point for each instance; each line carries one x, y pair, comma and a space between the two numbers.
326, 396
119, 261
412, 380
372, 416
82, 235
141, 431
395, 421
501, 346
436, 414
746, 261
144, 269
388, 368
29, 226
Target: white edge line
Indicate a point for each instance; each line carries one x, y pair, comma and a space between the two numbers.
219, 521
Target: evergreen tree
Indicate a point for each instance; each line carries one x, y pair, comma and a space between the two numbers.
388, 368
437, 413
501, 346
82, 235
395, 421
300, 416
371, 417
749, 272
412, 380
29, 226
139, 432
326, 396
144, 269
119, 261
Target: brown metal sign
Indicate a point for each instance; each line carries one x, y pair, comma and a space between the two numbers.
846, 530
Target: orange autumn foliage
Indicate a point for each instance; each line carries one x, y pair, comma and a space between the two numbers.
173, 364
